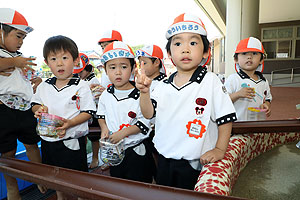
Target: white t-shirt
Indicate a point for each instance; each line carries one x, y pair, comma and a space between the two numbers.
154, 83
187, 118
120, 109
105, 80
237, 81
156, 80
15, 84
61, 103
92, 79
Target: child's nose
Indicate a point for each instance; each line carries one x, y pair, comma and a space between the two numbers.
118, 70
185, 50
249, 55
59, 61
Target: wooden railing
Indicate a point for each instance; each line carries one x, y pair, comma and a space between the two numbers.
95, 186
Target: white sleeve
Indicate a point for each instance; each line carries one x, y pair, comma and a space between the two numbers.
86, 98
268, 95
223, 106
36, 99
101, 110
231, 84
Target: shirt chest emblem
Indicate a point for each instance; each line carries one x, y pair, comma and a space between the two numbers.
195, 128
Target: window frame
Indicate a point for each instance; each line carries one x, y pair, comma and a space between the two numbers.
293, 40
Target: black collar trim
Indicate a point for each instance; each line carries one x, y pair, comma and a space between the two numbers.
160, 77
135, 94
12, 54
73, 81
243, 75
197, 77
90, 77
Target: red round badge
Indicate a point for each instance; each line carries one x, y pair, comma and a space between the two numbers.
201, 101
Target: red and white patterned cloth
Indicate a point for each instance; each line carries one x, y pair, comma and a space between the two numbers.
219, 177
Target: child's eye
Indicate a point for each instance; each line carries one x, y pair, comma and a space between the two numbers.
177, 44
65, 57
21, 36
255, 53
124, 66
193, 43
112, 67
53, 59
244, 53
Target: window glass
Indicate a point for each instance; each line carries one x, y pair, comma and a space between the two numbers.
270, 34
270, 49
284, 49
297, 53
285, 33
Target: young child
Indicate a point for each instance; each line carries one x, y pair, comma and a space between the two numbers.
17, 121
107, 38
152, 57
248, 87
85, 72
193, 111
66, 96
119, 112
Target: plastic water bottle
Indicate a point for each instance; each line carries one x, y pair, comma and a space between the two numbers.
298, 145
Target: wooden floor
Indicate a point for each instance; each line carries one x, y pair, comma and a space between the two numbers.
284, 103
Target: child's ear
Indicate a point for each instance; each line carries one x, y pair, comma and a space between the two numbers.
46, 61
205, 54
236, 60
76, 61
157, 62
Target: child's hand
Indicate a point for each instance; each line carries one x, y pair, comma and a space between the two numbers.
104, 134
143, 83
212, 156
61, 133
67, 123
24, 63
35, 81
7, 71
246, 92
42, 109
267, 107
116, 137
98, 89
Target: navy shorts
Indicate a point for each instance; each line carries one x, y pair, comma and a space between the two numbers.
57, 154
16, 124
135, 167
176, 173
94, 136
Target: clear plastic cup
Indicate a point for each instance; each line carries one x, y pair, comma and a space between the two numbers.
111, 154
256, 114
47, 125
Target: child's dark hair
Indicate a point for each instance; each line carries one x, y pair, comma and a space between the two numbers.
88, 68
6, 28
204, 40
235, 56
131, 60
58, 43
154, 59
99, 43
